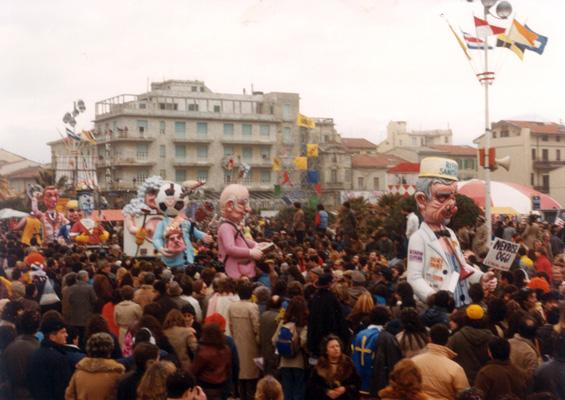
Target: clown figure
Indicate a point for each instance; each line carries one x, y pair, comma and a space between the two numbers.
237, 252
86, 230
174, 234
73, 216
435, 260
51, 219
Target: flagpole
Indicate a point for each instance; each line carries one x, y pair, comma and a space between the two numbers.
486, 82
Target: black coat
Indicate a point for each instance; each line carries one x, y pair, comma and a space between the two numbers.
326, 316
317, 386
551, 377
387, 354
48, 372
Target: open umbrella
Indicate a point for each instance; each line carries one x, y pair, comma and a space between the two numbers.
7, 213
505, 195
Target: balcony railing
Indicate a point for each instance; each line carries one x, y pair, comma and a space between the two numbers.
543, 189
547, 164
124, 137
248, 139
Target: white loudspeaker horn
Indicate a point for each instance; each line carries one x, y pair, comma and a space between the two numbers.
503, 162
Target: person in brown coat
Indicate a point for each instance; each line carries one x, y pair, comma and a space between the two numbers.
126, 312
499, 376
97, 375
244, 321
298, 223
146, 293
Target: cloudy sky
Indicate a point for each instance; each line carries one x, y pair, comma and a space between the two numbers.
361, 62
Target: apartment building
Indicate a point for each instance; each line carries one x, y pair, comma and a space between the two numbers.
183, 130
537, 152
399, 136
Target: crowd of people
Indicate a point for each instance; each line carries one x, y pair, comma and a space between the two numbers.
329, 315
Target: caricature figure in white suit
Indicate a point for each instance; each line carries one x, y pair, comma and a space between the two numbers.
435, 259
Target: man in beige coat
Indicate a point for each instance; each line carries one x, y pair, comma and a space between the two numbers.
244, 325
442, 378
524, 352
126, 312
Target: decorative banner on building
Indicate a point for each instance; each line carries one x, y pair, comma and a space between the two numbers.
501, 254
286, 178
278, 190
314, 201
301, 163
312, 150
313, 177
305, 122
277, 164
318, 188
88, 136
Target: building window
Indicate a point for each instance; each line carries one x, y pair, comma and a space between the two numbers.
217, 109
247, 153
557, 138
545, 154
545, 183
534, 154
265, 130
246, 130
202, 152
287, 135
142, 126
504, 133
228, 129
227, 177
141, 176
202, 129
228, 150
168, 106
266, 176
286, 112
333, 176
193, 107
446, 140
180, 175
361, 182
376, 183
414, 141
180, 129
162, 151
162, 127
558, 155
266, 153
202, 175
544, 138
163, 173
194, 88
142, 151
180, 152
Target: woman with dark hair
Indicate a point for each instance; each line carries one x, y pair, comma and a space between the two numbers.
496, 312
404, 298
96, 375
405, 383
292, 364
414, 335
97, 324
334, 376
212, 362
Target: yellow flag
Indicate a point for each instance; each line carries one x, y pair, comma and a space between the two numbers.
88, 136
305, 122
312, 150
276, 164
505, 41
301, 163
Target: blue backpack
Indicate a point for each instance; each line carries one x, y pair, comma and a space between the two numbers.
287, 342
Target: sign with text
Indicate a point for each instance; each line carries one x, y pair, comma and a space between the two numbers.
501, 254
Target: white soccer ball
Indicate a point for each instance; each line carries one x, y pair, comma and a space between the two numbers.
170, 199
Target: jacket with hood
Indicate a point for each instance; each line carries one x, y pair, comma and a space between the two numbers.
471, 346
95, 378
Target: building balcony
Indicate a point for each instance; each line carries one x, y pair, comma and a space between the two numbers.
125, 137
192, 163
542, 189
335, 186
191, 139
122, 161
253, 140
548, 165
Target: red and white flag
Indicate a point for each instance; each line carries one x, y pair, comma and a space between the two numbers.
484, 29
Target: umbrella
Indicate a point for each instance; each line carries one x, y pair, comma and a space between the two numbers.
506, 195
7, 213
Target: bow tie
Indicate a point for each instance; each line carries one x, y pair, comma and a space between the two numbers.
443, 232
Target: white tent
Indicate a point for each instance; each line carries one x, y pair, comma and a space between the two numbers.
7, 213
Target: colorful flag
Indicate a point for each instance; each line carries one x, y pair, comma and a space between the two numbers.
313, 177
474, 43
72, 135
286, 178
278, 190
539, 43
276, 164
484, 29
318, 188
305, 122
505, 41
314, 201
301, 163
461, 43
312, 150
520, 35
88, 136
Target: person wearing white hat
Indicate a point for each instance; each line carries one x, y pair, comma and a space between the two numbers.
435, 260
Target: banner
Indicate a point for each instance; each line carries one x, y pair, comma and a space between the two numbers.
501, 254
305, 122
312, 150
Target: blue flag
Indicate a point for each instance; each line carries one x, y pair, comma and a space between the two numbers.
539, 44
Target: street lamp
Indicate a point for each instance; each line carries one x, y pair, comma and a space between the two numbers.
503, 11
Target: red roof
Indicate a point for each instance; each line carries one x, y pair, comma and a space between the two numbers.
542, 128
24, 173
358, 143
109, 215
375, 160
405, 168
456, 150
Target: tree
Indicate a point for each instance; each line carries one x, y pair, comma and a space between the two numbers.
5, 192
467, 212
46, 177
